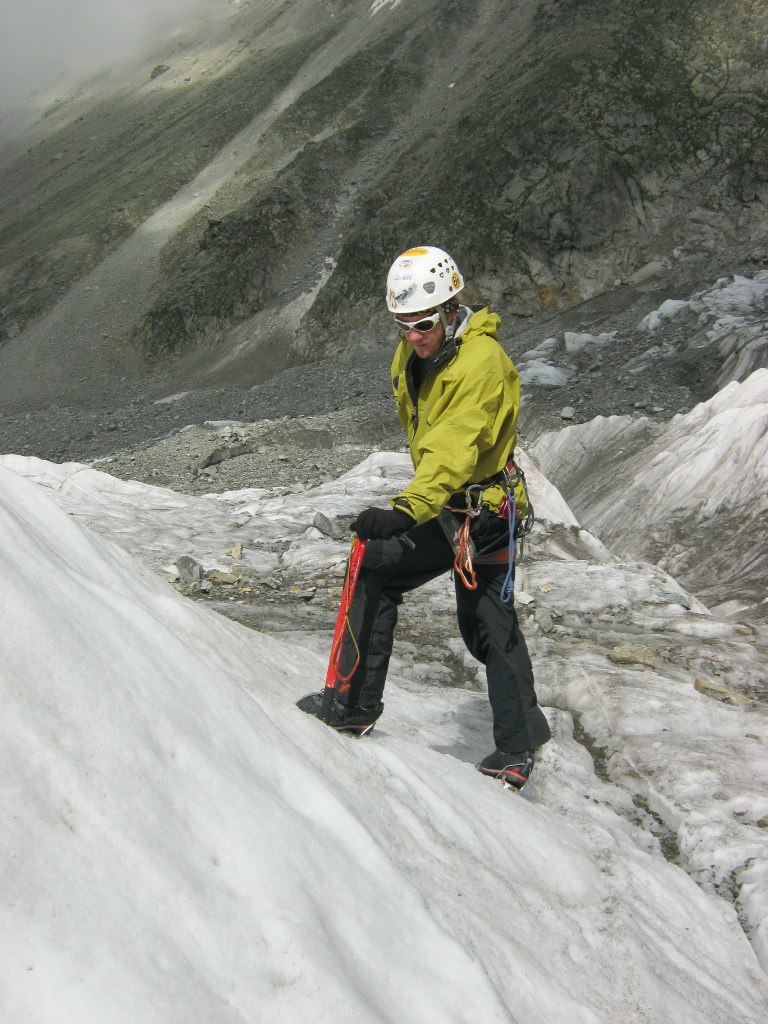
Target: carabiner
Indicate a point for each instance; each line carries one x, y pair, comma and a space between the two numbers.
474, 498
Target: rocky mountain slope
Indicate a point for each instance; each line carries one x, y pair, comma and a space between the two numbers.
229, 209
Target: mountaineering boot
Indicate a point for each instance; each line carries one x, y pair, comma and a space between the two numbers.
340, 717
513, 769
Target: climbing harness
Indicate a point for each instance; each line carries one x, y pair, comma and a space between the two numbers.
459, 536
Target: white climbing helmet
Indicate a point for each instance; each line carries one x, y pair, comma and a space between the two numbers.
422, 278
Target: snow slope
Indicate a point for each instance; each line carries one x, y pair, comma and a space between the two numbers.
179, 843
691, 494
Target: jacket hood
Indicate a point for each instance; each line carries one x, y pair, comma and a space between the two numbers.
481, 321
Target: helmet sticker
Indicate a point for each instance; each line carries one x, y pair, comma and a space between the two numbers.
405, 263
403, 295
455, 280
418, 251
429, 287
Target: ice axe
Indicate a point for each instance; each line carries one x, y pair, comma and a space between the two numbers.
334, 681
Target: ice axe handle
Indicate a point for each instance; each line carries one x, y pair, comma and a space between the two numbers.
350, 583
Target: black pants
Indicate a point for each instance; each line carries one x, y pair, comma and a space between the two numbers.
488, 627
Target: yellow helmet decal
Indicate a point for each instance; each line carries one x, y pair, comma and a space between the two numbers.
418, 251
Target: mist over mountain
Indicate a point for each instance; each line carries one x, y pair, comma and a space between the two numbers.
53, 45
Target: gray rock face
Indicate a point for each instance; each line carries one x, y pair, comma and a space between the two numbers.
237, 223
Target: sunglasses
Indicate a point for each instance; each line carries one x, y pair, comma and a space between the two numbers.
422, 326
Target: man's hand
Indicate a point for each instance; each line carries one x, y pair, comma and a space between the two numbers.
381, 523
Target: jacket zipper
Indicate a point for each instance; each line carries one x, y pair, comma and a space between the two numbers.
443, 357
413, 394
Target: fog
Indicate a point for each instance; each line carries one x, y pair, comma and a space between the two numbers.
45, 43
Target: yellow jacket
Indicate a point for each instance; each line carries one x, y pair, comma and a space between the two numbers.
461, 430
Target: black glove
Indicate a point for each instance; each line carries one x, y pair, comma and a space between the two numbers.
381, 523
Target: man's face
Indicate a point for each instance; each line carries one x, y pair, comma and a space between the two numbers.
426, 343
